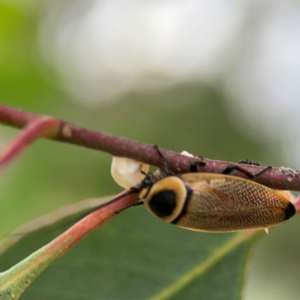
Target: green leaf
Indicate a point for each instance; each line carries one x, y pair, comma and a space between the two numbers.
135, 256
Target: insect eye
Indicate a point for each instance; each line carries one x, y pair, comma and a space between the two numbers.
163, 203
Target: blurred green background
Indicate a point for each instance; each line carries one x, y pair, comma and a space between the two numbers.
194, 115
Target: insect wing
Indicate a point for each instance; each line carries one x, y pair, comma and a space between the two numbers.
223, 203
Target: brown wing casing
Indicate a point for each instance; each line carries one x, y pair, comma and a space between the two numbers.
223, 203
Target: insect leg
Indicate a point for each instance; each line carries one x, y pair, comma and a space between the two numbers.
141, 202
263, 170
166, 165
195, 164
229, 169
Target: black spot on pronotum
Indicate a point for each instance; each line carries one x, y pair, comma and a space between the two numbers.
163, 203
289, 211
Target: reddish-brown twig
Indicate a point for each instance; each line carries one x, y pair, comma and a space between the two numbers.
15, 280
278, 178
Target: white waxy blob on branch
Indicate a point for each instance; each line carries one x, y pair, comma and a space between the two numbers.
127, 172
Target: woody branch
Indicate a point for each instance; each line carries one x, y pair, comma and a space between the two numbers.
37, 126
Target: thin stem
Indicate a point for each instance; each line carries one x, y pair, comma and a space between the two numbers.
15, 280
278, 178
40, 127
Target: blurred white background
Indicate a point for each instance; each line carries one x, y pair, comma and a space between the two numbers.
106, 48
